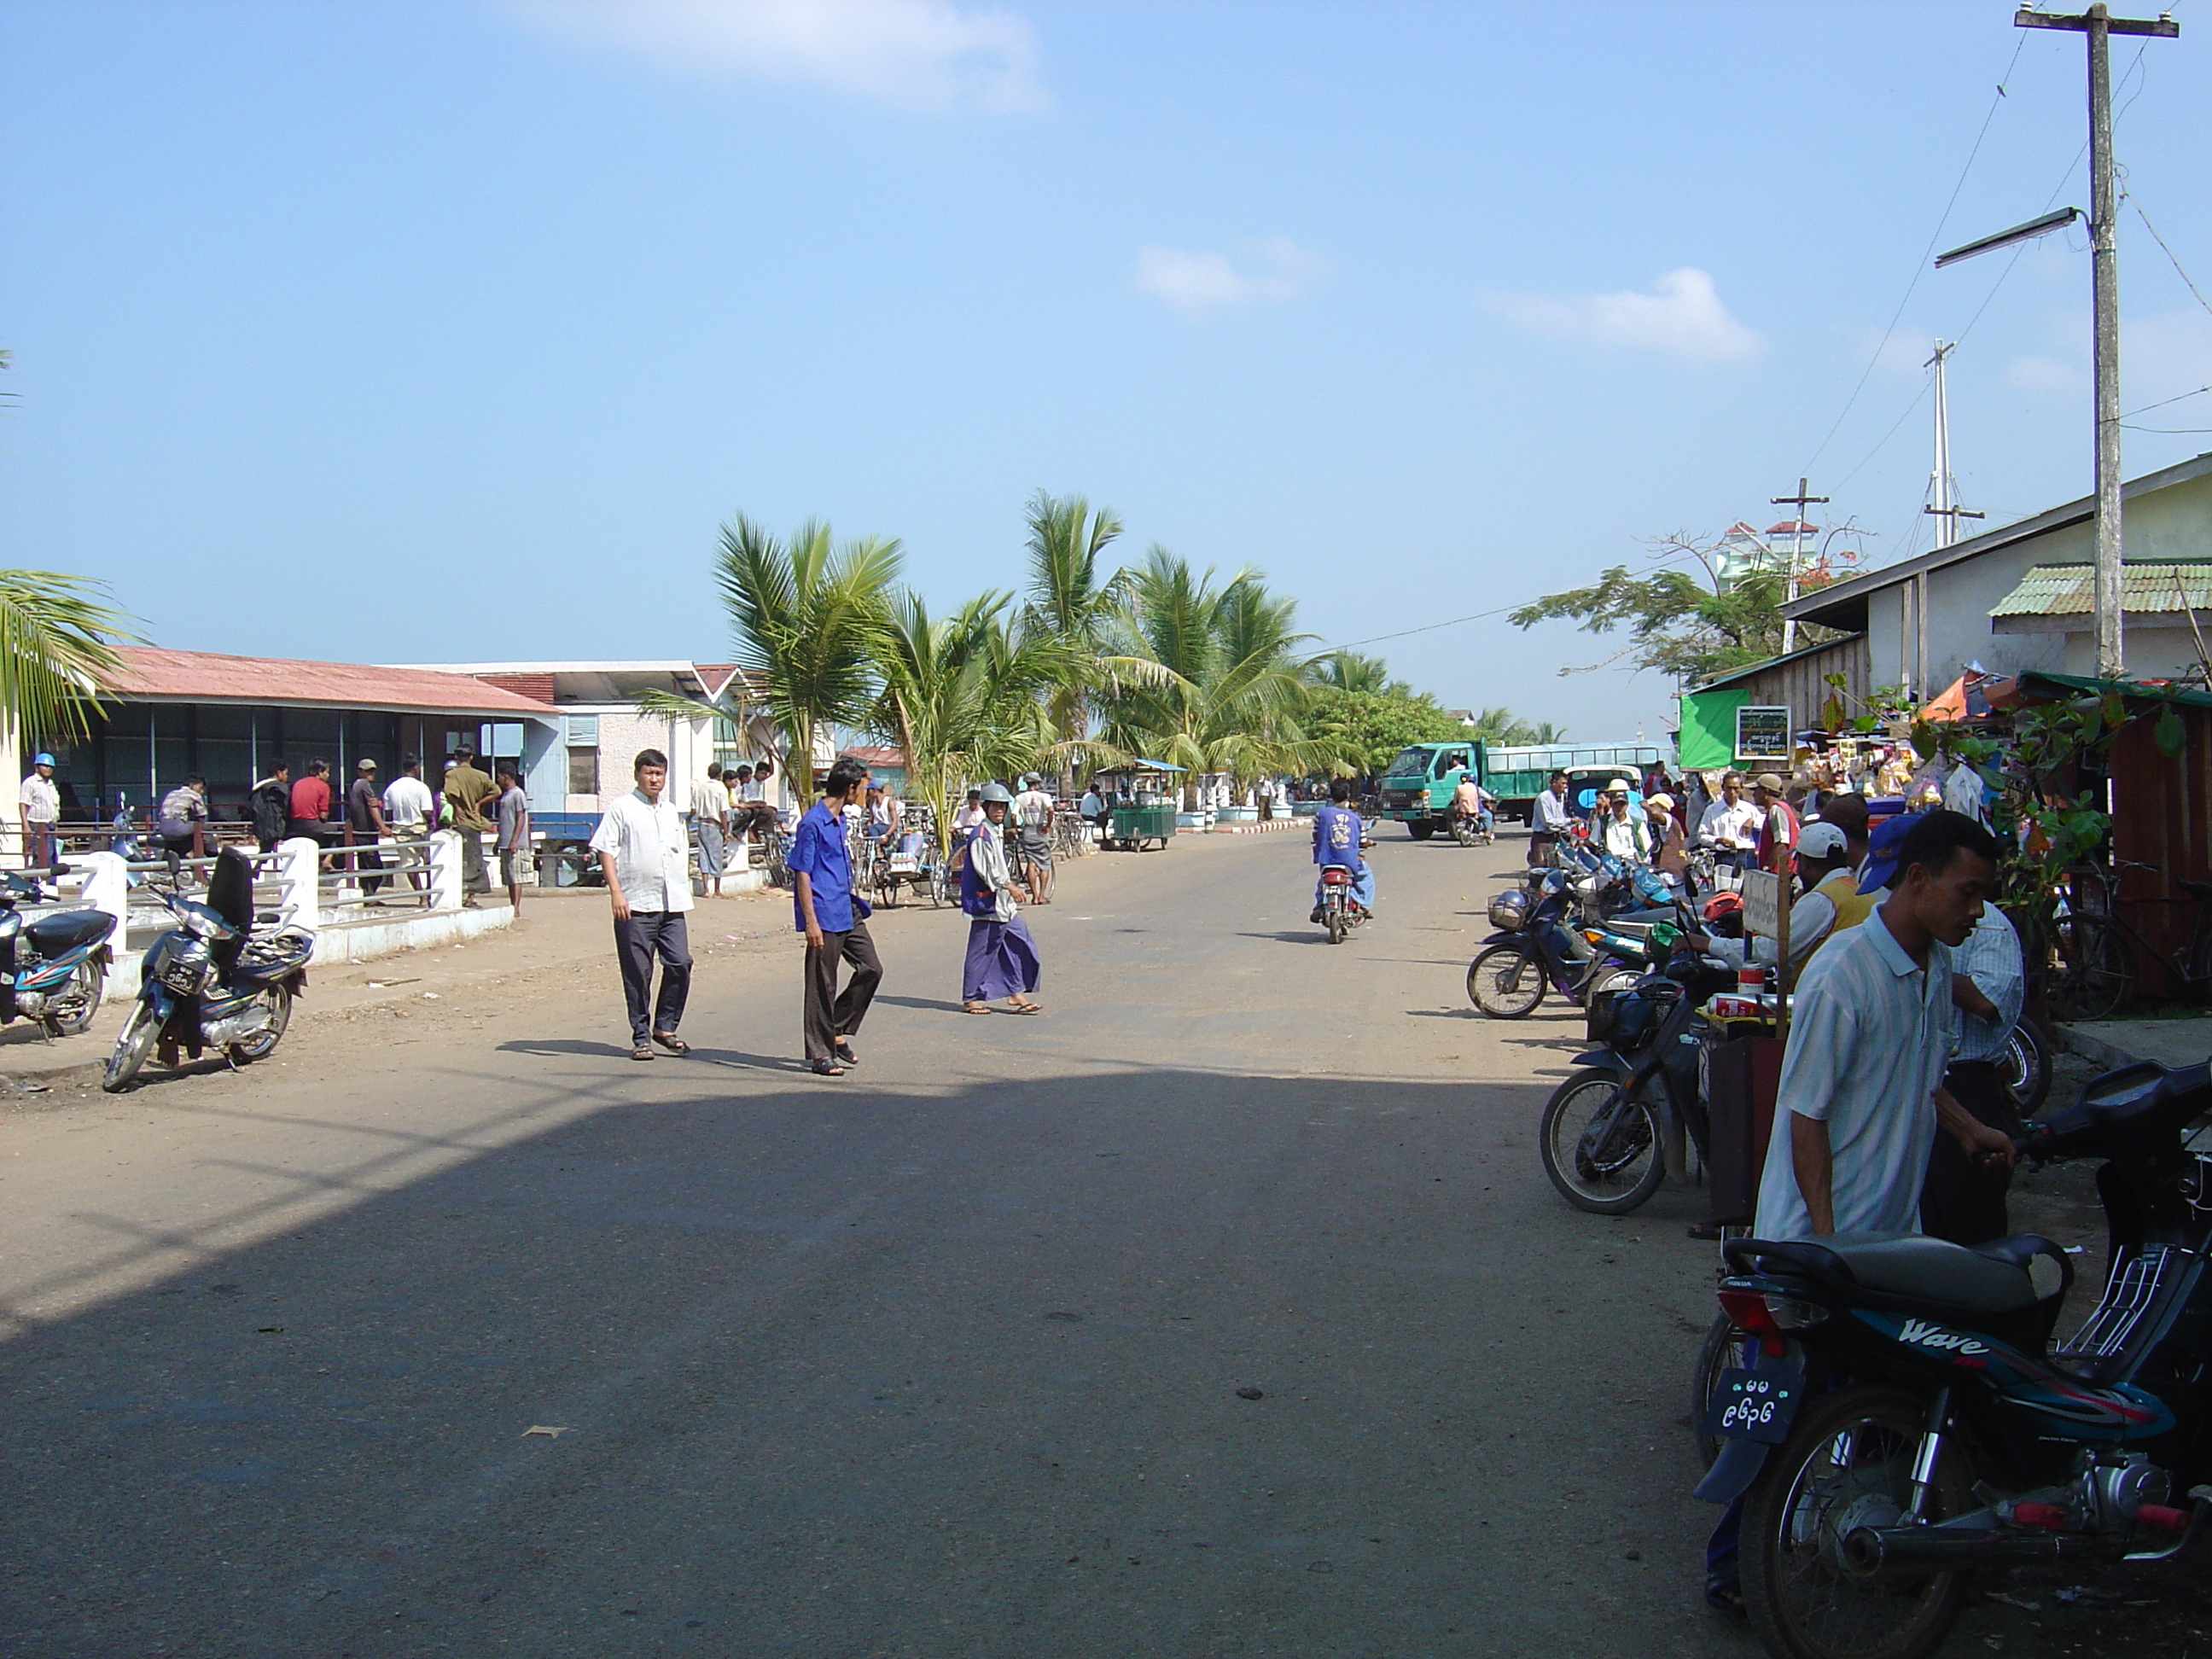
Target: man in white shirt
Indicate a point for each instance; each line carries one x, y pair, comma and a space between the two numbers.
1730, 824
1551, 822
1032, 823
645, 858
407, 809
40, 807
710, 817
1962, 1202
1862, 1094
1622, 831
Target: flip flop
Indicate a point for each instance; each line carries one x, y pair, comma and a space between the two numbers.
825, 1068
975, 1007
673, 1043
1025, 1007
643, 1051
844, 1052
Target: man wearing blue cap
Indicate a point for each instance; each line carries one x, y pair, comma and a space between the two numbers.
40, 806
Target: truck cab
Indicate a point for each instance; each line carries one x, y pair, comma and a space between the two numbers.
1416, 788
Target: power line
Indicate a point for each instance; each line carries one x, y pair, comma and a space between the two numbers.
1920, 265
2163, 401
2168, 252
1427, 627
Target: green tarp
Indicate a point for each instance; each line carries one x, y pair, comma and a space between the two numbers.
1708, 734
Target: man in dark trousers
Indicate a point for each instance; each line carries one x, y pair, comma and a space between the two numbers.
835, 922
646, 856
271, 807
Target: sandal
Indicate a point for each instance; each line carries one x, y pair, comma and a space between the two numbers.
844, 1052
643, 1051
1025, 1007
825, 1068
673, 1043
975, 1007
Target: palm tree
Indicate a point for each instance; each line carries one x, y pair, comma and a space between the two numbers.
808, 617
1071, 597
58, 640
1350, 670
1235, 686
963, 695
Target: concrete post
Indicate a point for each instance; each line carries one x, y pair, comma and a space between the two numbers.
444, 852
299, 899
107, 887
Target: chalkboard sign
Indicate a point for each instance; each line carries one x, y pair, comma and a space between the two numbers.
1762, 734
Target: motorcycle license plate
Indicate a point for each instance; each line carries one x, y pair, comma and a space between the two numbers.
1754, 1405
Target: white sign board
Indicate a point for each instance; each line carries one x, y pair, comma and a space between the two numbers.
1762, 904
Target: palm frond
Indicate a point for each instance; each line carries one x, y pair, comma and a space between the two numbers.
57, 639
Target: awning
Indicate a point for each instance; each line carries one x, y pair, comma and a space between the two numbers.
2061, 598
1962, 700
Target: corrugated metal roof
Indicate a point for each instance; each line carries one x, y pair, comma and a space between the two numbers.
2070, 590
151, 671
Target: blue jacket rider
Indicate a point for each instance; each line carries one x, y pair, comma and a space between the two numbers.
1336, 841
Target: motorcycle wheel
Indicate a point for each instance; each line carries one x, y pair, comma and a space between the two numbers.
1506, 982
1332, 918
279, 1000
132, 1047
1612, 979
1722, 1349
2024, 1063
80, 997
1630, 1168
1462, 832
1848, 1463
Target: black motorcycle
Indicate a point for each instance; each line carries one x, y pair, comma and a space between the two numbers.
212, 982
1557, 932
52, 967
1902, 1421
1604, 1129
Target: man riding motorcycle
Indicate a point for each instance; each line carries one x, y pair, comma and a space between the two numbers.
1470, 800
1336, 841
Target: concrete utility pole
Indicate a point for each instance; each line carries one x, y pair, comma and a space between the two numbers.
1947, 513
2104, 257
1798, 503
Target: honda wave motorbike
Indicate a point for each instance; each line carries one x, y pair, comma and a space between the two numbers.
1605, 1130
1470, 831
1340, 912
52, 967
212, 982
1546, 944
1903, 1423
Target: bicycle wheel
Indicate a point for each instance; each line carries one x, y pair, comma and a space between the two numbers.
2092, 975
1506, 982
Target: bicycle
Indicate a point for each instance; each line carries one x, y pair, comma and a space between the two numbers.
2092, 947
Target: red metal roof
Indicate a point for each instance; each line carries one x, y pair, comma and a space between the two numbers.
868, 754
153, 673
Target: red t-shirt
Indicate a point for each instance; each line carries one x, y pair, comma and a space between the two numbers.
311, 798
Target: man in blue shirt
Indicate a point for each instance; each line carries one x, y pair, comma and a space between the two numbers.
835, 923
1336, 840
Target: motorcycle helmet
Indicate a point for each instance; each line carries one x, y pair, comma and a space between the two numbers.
1508, 911
1723, 904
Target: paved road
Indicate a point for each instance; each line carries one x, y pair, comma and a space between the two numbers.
950, 1360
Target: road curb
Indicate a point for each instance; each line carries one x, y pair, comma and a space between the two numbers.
2094, 1050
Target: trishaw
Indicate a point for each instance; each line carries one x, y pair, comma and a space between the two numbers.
1143, 796
908, 859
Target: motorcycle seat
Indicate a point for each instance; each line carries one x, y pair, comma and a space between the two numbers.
65, 930
2006, 1275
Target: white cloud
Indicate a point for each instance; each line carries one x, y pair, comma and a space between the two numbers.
1683, 317
930, 54
1197, 281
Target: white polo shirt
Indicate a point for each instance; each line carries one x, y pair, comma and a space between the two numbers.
42, 800
1869, 1034
651, 849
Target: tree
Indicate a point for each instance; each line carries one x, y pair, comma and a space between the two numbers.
1235, 686
1070, 597
1365, 729
808, 619
57, 639
1689, 628
1349, 670
1502, 727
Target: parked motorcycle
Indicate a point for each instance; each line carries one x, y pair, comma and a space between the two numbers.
52, 967
212, 982
1540, 946
1903, 1423
1604, 1129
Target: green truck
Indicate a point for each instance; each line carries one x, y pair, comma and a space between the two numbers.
1416, 788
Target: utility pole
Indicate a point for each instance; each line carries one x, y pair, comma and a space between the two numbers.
1946, 512
1797, 503
2105, 274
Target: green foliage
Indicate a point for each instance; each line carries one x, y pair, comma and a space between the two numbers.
1350, 670
1366, 728
1502, 728
58, 638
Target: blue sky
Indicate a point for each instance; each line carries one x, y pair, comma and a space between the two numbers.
453, 329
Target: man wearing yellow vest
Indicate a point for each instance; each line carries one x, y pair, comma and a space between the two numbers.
1832, 903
